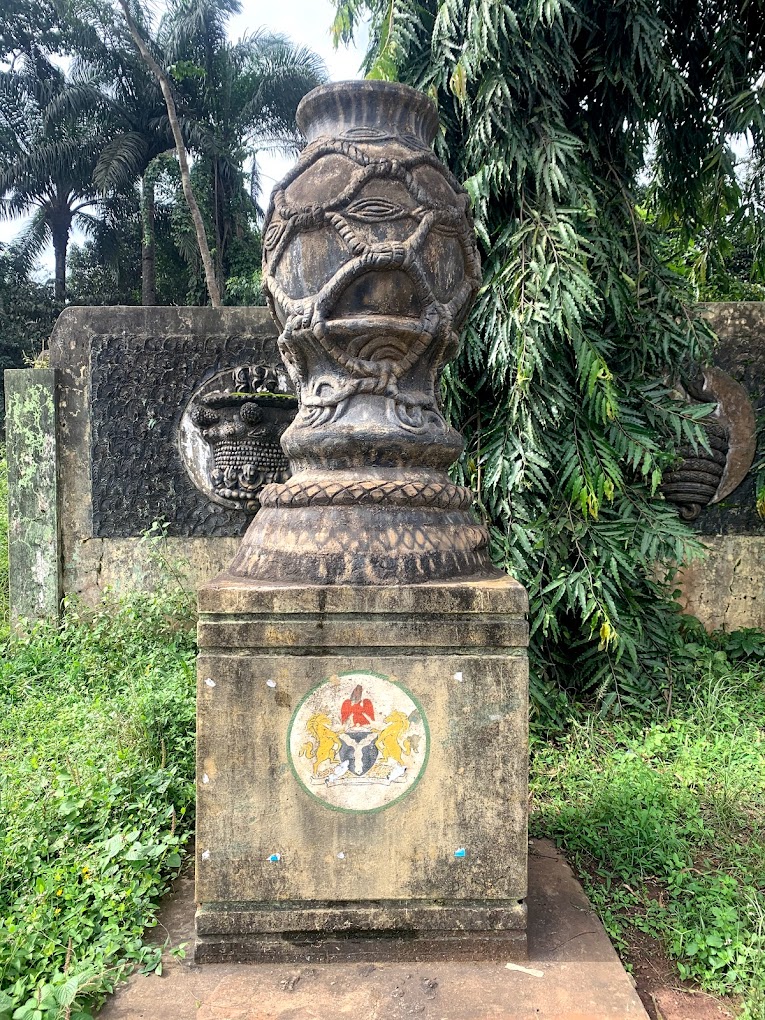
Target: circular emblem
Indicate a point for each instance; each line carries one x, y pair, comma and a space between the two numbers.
230, 434
358, 741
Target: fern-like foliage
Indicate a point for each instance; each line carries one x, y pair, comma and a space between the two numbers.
551, 111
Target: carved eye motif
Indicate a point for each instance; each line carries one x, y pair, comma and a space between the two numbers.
374, 210
272, 235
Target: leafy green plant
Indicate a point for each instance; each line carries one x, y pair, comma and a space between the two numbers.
96, 753
666, 822
552, 114
4, 591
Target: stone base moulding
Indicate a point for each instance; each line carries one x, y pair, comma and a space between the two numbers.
362, 764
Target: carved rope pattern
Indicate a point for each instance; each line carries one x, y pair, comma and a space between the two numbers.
310, 313
366, 493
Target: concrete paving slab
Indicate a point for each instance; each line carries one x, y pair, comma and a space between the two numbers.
572, 973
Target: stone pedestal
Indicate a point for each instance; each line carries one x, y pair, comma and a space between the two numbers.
362, 770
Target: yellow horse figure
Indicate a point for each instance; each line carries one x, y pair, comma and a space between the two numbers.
389, 743
327, 741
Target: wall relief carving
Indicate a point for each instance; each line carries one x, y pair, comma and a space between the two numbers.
230, 434
706, 477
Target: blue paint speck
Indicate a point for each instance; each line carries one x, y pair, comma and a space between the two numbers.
460, 852
275, 858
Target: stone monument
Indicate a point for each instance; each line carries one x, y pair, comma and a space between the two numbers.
362, 733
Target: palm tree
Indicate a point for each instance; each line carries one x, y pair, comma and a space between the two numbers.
236, 99
113, 86
232, 99
46, 163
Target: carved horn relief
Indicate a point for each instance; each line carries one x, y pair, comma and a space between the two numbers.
230, 434
706, 477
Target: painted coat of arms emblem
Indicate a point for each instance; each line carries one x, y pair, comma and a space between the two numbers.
358, 741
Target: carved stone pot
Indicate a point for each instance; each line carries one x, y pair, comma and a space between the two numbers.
370, 267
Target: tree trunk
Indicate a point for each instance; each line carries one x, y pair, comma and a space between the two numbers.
188, 191
148, 245
60, 244
217, 219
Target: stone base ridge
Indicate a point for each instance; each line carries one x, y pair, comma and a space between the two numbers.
480, 615
378, 947
367, 492
379, 916
229, 597
363, 545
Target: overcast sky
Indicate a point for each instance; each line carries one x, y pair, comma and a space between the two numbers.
306, 23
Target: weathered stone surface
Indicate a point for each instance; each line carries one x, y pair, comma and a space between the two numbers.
417, 945
370, 266
572, 971
34, 560
127, 378
445, 854
503, 595
726, 589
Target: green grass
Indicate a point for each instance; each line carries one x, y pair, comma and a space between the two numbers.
665, 822
96, 758
4, 594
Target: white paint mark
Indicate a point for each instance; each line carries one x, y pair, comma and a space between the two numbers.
495, 718
525, 970
205, 855
396, 772
270, 683
458, 676
341, 856
205, 778
338, 772
209, 681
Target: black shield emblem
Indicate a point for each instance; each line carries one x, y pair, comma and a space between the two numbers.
358, 748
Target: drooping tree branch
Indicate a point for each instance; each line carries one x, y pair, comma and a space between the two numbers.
167, 93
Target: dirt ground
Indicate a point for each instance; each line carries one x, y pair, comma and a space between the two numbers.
663, 994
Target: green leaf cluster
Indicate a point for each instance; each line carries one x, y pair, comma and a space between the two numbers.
665, 822
97, 760
553, 113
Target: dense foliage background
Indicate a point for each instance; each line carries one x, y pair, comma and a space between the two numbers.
85, 142
594, 140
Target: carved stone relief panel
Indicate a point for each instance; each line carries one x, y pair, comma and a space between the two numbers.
707, 476
230, 434
148, 461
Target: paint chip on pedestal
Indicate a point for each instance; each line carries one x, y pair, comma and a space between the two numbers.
525, 970
205, 855
341, 856
274, 858
458, 676
270, 683
205, 778
209, 681
460, 852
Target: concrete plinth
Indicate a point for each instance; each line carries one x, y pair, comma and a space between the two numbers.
362, 764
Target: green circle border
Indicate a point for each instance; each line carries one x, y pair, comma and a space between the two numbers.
405, 793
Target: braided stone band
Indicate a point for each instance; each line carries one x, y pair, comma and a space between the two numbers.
442, 496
